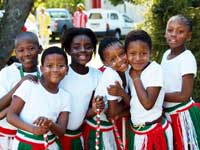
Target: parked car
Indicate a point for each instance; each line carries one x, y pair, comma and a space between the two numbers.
61, 20
109, 22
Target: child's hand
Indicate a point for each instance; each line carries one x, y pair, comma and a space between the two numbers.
43, 121
39, 130
97, 103
115, 90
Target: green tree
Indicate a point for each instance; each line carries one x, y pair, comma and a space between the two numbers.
11, 24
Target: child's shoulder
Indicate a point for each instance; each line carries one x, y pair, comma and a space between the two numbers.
11, 69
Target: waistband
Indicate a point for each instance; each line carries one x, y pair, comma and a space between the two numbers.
180, 107
7, 132
143, 129
73, 133
30, 138
104, 125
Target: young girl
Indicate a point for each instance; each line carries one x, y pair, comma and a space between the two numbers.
113, 56
81, 81
179, 67
148, 129
27, 49
41, 109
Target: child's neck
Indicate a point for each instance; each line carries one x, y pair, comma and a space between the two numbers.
52, 88
29, 70
123, 78
81, 69
177, 51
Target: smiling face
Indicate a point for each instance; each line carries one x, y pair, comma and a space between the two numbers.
27, 54
54, 68
177, 33
115, 57
138, 53
81, 49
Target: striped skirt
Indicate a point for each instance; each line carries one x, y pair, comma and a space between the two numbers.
72, 140
27, 141
185, 119
6, 138
157, 136
107, 140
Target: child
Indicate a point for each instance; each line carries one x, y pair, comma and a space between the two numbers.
27, 49
148, 129
113, 56
179, 67
81, 81
41, 109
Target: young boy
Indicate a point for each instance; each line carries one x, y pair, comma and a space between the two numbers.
27, 49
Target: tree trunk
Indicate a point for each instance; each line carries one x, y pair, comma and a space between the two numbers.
16, 12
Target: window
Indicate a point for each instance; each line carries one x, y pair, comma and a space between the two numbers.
114, 16
95, 16
127, 19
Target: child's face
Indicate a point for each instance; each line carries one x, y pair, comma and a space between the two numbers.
27, 54
177, 33
54, 68
115, 57
81, 49
138, 53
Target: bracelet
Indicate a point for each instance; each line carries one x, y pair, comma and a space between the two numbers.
136, 79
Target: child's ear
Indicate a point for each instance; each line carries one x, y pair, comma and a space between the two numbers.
41, 69
189, 36
40, 49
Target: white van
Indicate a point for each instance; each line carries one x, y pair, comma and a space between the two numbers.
109, 22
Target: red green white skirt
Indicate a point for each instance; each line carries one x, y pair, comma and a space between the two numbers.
107, 140
157, 136
72, 140
185, 119
28, 141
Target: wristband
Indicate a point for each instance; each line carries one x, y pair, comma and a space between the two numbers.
136, 79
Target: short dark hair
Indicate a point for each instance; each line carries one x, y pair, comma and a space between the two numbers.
140, 35
27, 35
54, 50
72, 32
184, 19
106, 42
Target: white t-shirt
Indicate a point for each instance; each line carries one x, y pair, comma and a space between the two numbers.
9, 77
81, 88
174, 69
151, 76
108, 78
39, 102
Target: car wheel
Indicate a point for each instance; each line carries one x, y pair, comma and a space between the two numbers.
117, 34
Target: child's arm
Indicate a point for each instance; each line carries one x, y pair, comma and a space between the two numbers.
6, 99
147, 97
57, 128
14, 110
186, 91
117, 90
115, 107
3, 113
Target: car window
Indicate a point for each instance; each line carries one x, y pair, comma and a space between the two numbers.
114, 16
127, 19
95, 16
58, 14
